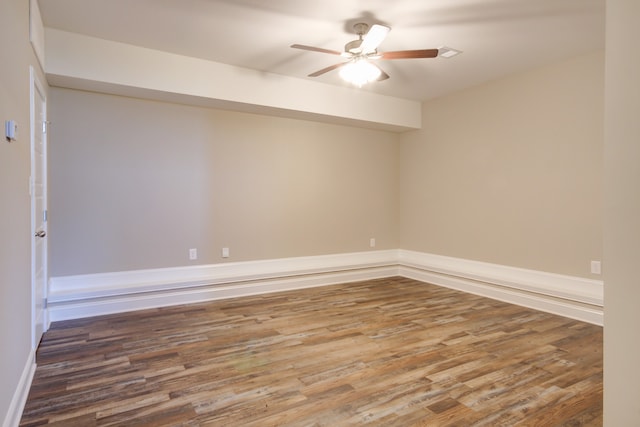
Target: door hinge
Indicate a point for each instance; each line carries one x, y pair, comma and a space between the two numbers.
44, 215
45, 126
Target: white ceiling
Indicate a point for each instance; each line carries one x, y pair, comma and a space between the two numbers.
498, 37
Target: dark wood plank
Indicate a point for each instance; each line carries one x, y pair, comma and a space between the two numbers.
389, 352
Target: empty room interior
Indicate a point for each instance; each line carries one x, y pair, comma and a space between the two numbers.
209, 217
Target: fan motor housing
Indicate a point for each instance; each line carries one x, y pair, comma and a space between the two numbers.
353, 46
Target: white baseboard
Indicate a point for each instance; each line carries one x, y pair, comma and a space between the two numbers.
16, 407
569, 296
74, 297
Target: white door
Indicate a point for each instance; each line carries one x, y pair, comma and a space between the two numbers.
38, 209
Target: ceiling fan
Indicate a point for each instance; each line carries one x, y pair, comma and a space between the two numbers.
358, 69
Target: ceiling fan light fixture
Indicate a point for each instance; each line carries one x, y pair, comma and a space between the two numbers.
359, 72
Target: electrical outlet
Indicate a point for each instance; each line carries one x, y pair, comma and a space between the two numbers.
225, 252
372, 242
596, 267
10, 130
193, 254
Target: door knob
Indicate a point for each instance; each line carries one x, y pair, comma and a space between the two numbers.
41, 233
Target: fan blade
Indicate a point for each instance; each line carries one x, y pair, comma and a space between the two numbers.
315, 49
409, 54
373, 38
327, 69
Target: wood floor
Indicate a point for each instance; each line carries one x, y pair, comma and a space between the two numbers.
387, 352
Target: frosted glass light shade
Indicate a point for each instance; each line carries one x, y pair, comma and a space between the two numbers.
359, 72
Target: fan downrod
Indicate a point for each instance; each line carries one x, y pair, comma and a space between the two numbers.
354, 46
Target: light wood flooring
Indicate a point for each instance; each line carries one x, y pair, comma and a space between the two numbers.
386, 352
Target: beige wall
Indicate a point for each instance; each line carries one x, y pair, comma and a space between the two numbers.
134, 184
622, 216
15, 228
509, 172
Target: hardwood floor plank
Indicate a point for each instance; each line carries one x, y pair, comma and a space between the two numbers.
386, 352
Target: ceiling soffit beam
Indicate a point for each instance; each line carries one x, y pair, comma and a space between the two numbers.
89, 63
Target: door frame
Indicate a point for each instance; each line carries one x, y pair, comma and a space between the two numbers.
35, 88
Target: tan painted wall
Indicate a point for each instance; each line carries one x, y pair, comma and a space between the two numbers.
15, 205
134, 184
510, 172
622, 216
